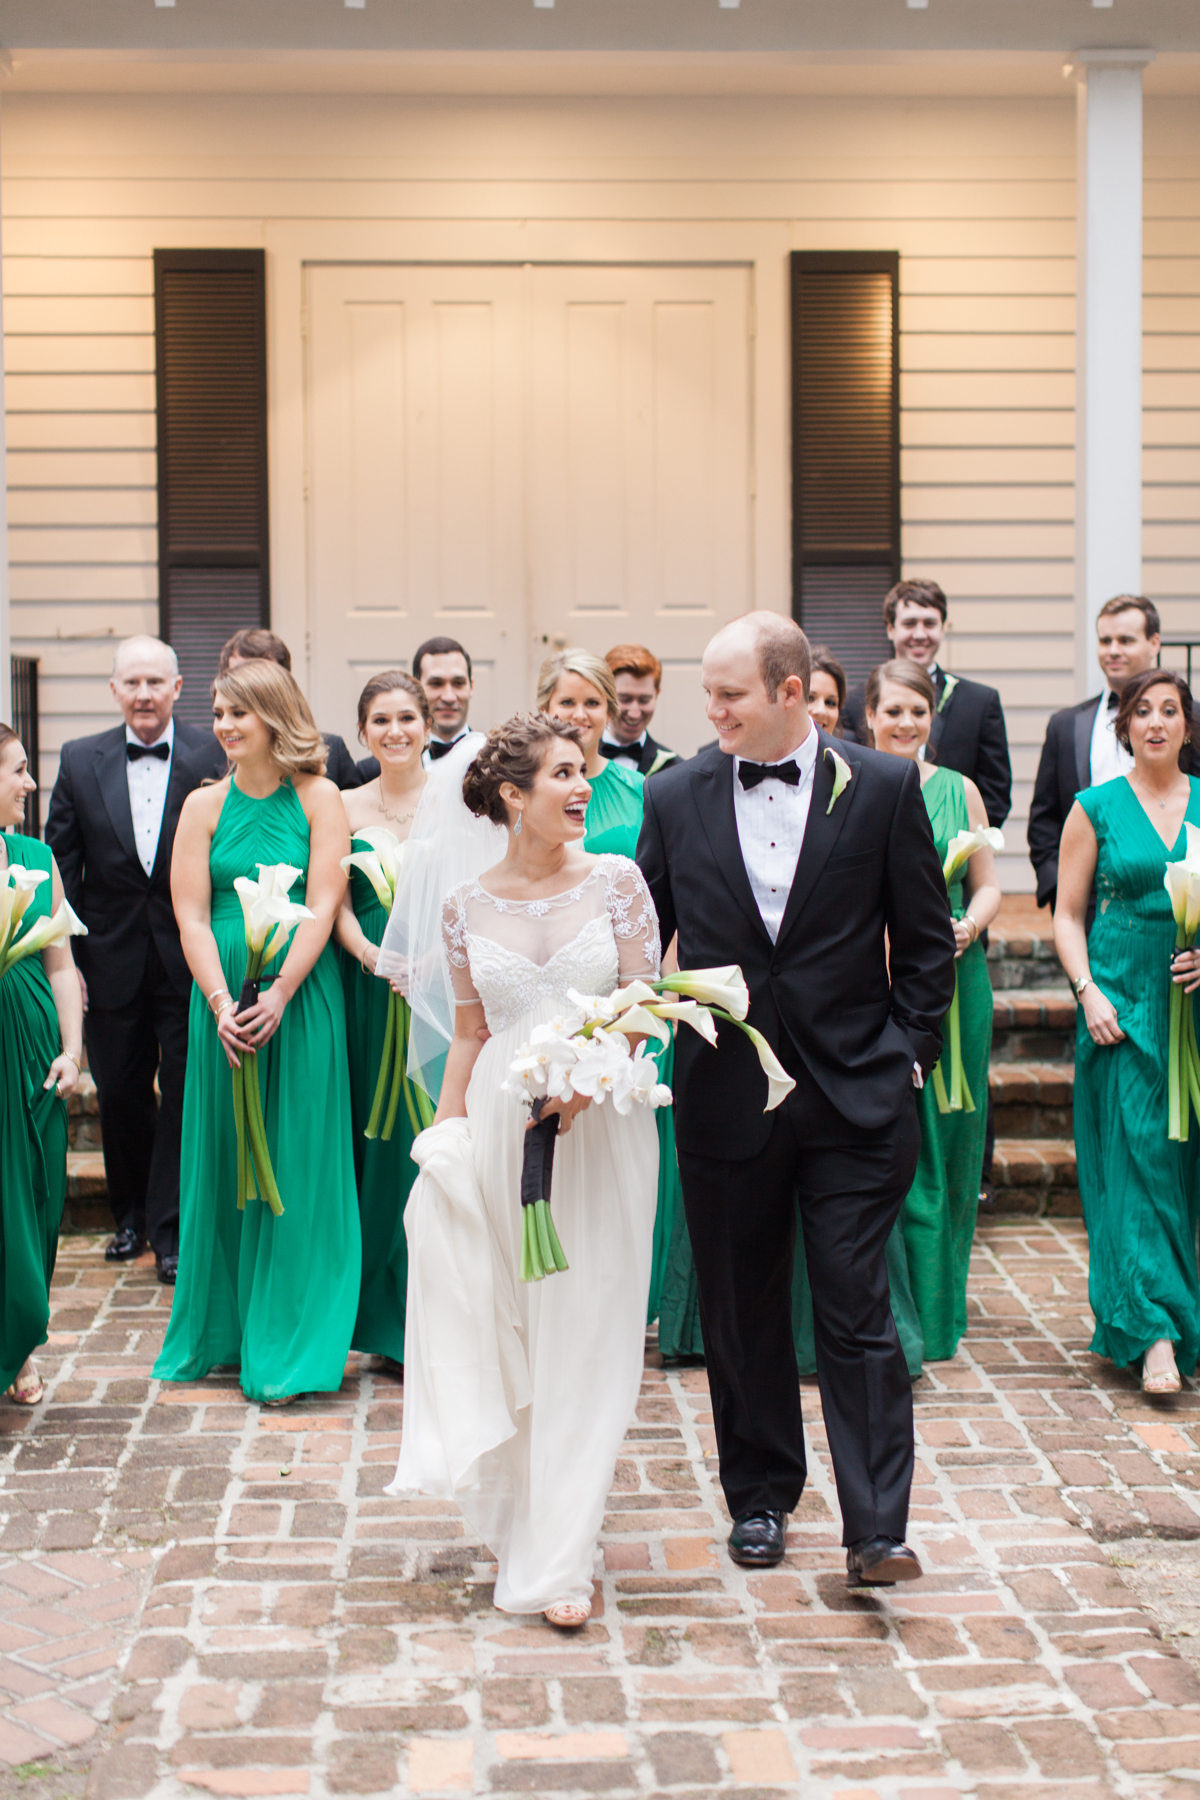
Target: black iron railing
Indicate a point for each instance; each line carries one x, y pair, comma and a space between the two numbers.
25, 724
1187, 645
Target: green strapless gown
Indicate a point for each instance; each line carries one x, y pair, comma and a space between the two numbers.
33, 1137
385, 1171
1140, 1191
941, 1206
277, 1296
614, 823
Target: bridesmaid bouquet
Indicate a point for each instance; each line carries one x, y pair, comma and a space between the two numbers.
1182, 882
960, 850
383, 865
586, 1052
270, 920
17, 887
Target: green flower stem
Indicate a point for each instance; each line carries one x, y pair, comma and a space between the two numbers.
939, 1088
960, 1093
397, 1074
1177, 1094
257, 1132
385, 1065
541, 1252
1191, 1051
239, 1121
410, 1101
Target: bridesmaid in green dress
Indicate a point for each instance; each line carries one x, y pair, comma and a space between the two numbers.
579, 687
41, 1042
938, 1218
276, 1296
1140, 1190
393, 723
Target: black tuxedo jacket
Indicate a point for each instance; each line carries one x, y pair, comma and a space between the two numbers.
1064, 770
90, 830
654, 757
822, 992
968, 735
341, 767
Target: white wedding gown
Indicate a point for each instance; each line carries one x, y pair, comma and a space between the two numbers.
518, 1394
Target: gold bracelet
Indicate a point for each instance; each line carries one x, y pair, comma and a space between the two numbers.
215, 994
220, 1011
974, 925
74, 1059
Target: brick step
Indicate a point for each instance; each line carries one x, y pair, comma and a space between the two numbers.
1033, 1026
87, 1193
1021, 954
1033, 1099
83, 1115
1036, 1175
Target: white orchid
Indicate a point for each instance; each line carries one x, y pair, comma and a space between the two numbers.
644, 1086
964, 844
382, 864
595, 1007
45, 934
603, 1067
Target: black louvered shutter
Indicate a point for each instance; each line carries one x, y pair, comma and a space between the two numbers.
213, 567
845, 449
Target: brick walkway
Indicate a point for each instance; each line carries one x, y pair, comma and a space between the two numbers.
200, 1597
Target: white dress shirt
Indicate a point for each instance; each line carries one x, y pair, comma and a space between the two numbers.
1107, 758
148, 778
629, 754
771, 821
427, 761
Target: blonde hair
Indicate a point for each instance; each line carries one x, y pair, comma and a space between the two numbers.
272, 692
587, 667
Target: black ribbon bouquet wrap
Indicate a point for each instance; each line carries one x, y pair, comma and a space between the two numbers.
541, 1252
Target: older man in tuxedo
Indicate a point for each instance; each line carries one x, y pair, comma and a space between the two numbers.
111, 826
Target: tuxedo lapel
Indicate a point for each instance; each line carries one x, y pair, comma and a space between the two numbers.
820, 834
178, 788
114, 790
938, 723
712, 791
1085, 719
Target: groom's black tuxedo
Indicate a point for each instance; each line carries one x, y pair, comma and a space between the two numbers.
848, 1028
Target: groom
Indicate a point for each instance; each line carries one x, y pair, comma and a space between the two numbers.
835, 907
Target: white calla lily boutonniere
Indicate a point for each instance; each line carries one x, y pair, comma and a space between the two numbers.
947, 691
842, 773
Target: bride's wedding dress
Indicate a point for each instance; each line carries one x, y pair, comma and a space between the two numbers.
518, 1394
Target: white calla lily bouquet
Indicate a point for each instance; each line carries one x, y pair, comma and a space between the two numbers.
586, 1052
383, 865
1182, 882
17, 888
960, 850
270, 918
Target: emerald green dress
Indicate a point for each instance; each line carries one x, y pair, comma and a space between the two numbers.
614, 823
277, 1296
938, 1218
384, 1170
33, 1137
1140, 1191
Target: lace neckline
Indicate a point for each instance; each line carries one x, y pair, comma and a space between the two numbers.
537, 908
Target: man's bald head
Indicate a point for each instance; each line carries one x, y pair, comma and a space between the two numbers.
145, 685
755, 675
779, 646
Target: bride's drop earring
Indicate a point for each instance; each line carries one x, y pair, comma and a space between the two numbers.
517, 826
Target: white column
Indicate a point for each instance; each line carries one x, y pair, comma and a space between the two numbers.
1108, 380
5, 632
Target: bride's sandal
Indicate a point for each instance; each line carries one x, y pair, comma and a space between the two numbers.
1160, 1380
26, 1392
568, 1615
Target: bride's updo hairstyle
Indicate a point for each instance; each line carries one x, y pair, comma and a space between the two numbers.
514, 751
905, 674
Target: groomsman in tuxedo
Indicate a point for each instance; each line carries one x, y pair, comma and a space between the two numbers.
1081, 748
111, 826
968, 727
259, 644
811, 862
637, 676
443, 669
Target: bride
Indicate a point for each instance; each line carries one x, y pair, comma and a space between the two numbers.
517, 1395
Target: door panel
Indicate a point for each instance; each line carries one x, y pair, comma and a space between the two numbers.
524, 458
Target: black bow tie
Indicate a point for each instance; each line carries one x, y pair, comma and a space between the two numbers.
438, 747
1114, 700
750, 773
611, 750
135, 752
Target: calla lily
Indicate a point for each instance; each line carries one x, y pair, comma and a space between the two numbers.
277, 879
841, 778
17, 886
634, 993
687, 1012
47, 932
779, 1082
382, 864
964, 844
724, 987
640, 1021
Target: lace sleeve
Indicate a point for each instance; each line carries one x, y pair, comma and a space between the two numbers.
634, 921
454, 942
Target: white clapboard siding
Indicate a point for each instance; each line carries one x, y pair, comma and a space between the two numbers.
977, 197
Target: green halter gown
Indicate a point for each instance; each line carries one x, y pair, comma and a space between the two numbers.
385, 1170
33, 1137
276, 1295
1140, 1191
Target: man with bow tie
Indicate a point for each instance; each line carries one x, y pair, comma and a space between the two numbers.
111, 826
1081, 749
637, 677
443, 669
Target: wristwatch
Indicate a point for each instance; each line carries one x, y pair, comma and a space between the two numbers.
1083, 981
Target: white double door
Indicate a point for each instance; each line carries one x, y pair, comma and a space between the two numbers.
524, 458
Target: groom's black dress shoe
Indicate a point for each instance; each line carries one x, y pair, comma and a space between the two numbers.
880, 1562
168, 1269
125, 1246
757, 1539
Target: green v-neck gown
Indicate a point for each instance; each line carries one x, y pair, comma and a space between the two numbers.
385, 1171
277, 1296
33, 1137
1140, 1191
